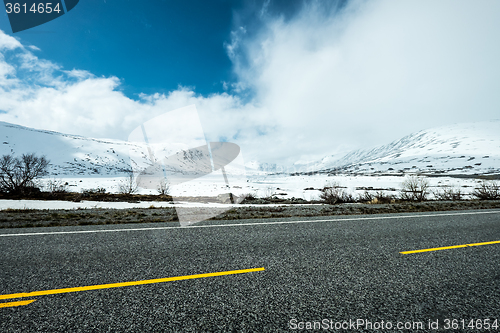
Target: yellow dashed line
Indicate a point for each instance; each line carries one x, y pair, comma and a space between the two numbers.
122, 284
450, 247
12, 304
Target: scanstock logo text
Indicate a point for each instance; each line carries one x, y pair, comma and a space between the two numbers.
26, 14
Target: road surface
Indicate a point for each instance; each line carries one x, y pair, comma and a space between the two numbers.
329, 273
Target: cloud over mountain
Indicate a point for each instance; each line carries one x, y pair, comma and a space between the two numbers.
323, 80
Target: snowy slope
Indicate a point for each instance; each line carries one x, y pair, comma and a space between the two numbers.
72, 155
470, 148
68, 154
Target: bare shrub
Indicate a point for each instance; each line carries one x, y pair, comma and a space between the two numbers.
415, 188
268, 192
128, 185
367, 196
382, 198
249, 196
163, 187
487, 190
56, 186
379, 197
97, 190
333, 193
18, 174
347, 198
449, 193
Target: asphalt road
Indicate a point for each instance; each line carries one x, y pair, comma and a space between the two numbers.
329, 272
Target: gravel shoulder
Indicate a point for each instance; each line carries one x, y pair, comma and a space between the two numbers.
26, 218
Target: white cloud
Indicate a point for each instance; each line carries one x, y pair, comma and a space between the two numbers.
34, 48
8, 43
39, 94
6, 73
373, 72
321, 81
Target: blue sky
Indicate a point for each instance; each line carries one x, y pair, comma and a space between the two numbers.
287, 80
152, 46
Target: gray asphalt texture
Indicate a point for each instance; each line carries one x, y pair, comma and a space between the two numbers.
345, 269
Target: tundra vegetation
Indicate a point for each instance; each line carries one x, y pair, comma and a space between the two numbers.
413, 189
333, 193
487, 190
21, 178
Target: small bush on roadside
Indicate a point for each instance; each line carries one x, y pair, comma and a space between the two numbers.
249, 196
56, 186
449, 193
334, 194
487, 190
378, 197
382, 198
415, 188
90, 191
128, 185
367, 196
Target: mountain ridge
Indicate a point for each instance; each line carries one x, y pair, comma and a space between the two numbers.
466, 148
69, 155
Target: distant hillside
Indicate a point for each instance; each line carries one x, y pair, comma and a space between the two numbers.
461, 149
72, 155
468, 149
68, 154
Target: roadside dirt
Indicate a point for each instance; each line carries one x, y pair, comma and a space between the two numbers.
23, 218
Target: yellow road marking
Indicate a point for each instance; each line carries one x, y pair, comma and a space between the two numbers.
12, 304
450, 247
126, 284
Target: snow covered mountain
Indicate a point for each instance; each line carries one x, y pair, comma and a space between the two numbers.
72, 155
465, 149
461, 149
69, 155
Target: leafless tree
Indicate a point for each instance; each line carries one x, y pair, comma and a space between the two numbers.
163, 188
128, 185
18, 174
415, 188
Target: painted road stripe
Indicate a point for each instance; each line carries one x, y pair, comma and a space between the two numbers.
126, 284
450, 247
246, 224
12, 304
